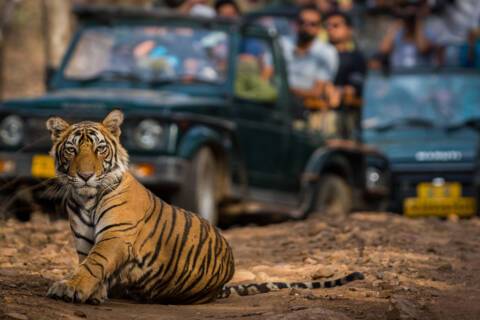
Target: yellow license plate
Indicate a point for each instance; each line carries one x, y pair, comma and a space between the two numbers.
439, 200
43, 166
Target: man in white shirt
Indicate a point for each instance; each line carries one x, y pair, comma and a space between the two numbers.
312, 64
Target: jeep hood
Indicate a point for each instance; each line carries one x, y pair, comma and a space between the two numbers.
420, 145
80, 101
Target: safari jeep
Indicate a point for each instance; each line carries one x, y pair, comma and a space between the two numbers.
427, 122
210, 121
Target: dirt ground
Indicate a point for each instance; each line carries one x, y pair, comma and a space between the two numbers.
415, 269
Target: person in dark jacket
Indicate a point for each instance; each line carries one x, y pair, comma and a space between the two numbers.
351, 70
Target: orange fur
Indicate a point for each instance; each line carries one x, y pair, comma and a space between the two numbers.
129, 241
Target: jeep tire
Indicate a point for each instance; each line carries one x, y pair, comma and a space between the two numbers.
198, 194
333, 196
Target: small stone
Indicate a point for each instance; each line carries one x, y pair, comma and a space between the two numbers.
323, 272
309, 260
311, 296
432, 250
447, 267
401, 308
38, 238
80, 314
294, 292
8, 272
17, 316
8, 252
377, 283
383, 294
243, 275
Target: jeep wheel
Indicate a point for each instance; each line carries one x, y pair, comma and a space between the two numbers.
199, 192
334, 196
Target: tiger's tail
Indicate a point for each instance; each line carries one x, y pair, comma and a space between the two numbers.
256, 288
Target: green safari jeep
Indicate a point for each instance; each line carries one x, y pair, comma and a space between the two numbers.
210, 125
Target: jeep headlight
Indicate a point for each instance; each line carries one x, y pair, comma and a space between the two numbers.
374, 178
149, 134
377, 181
11, 130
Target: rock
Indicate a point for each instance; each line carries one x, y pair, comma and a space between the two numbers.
243, 275
80, 314
447, 267
294, 292
262, 277
432, 250
9, 272
323, 272
38, 238
403, 309
15, 315
383, 294
8, 252
311, 296
309, 260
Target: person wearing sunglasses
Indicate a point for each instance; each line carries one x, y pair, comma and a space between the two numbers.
312, 64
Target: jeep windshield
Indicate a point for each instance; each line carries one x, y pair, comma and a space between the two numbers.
422, 99
149, 55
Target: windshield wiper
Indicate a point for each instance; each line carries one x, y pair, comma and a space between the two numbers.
112, 75
473, 123
179, 79
412, 122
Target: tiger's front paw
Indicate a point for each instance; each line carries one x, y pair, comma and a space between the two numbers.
99, 296
69, 291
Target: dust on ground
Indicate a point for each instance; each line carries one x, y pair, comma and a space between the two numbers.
415, 269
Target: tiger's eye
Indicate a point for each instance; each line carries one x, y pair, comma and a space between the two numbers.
70, 150
102, 149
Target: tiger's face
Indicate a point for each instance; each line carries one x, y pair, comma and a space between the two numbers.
88, 155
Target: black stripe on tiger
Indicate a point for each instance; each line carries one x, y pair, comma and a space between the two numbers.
257, 288
106, 210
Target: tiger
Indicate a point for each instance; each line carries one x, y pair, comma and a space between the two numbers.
129, 242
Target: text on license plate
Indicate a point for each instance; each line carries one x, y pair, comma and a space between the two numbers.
439, 200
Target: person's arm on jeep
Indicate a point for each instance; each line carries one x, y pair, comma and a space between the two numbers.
315, 92
424, 45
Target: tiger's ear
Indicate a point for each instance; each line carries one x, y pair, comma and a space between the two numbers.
113, 121
56, 126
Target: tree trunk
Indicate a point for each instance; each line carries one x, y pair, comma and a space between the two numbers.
57, 23
7, 8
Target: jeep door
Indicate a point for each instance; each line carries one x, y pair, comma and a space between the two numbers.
262, 123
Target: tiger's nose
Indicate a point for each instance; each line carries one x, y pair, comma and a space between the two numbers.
85, 175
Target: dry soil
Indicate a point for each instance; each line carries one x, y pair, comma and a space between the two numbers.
415, 269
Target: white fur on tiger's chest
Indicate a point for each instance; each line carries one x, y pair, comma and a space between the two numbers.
82, 225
